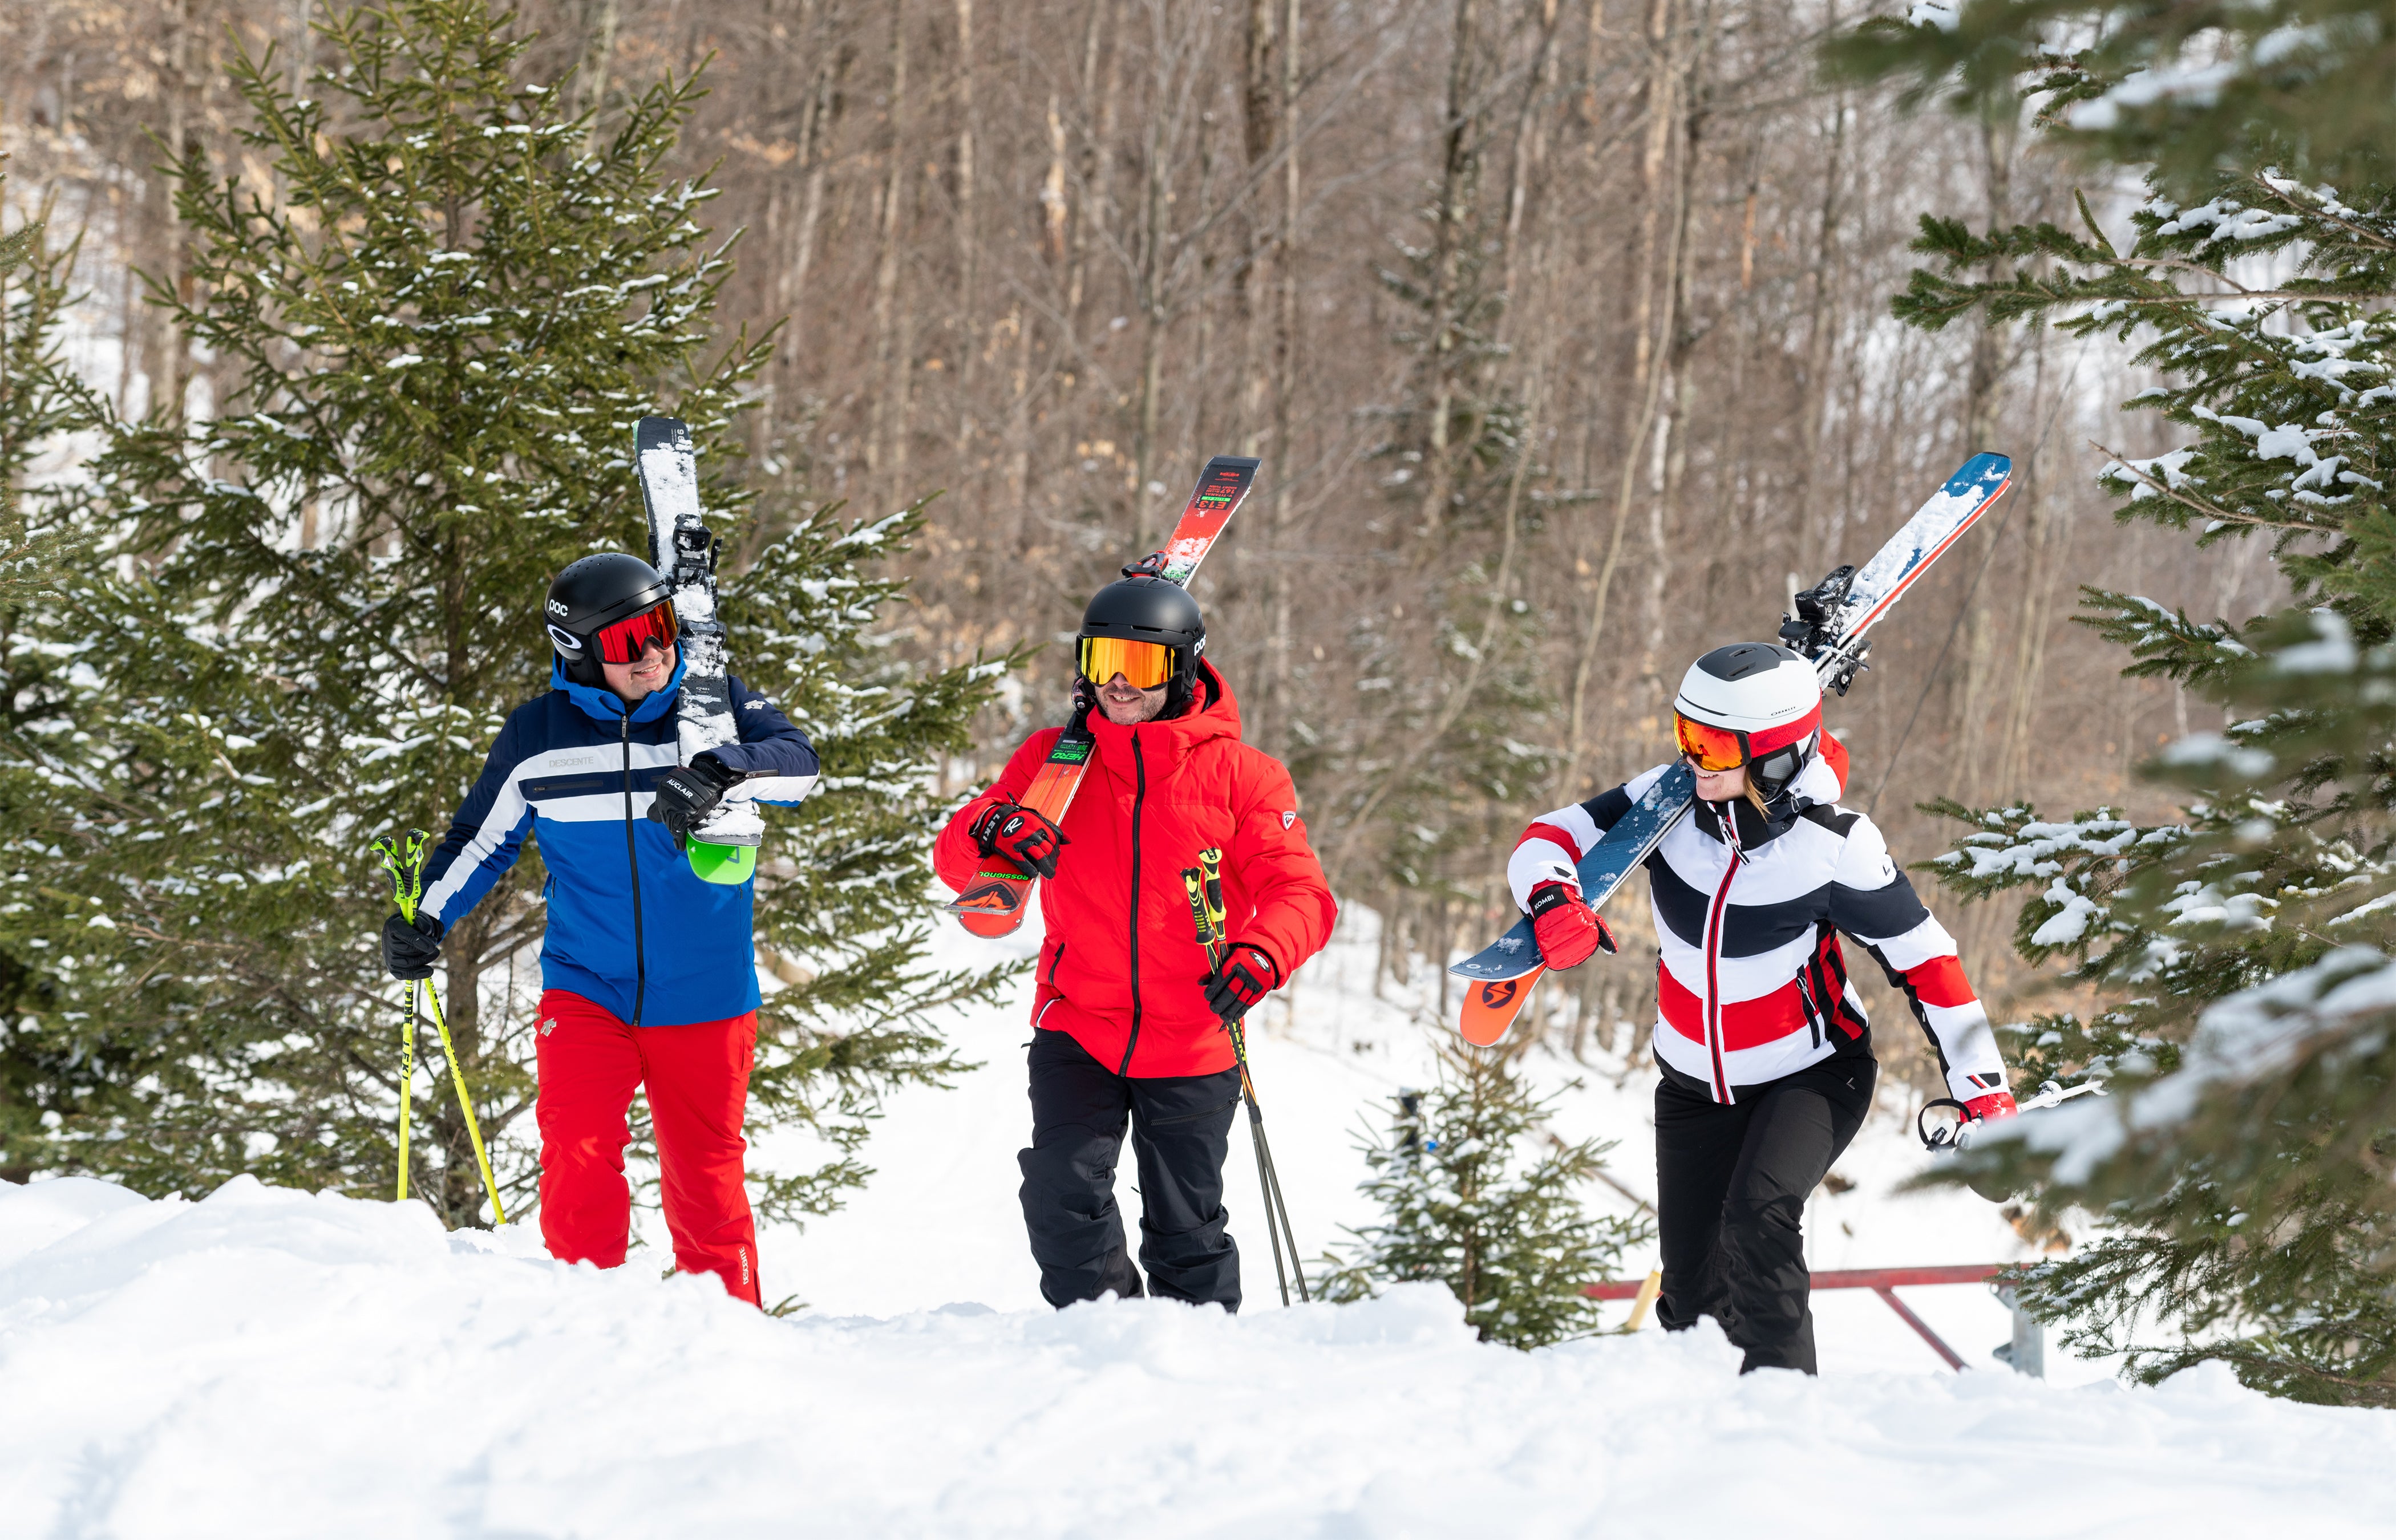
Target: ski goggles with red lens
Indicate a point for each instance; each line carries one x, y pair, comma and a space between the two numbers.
1144, 664
624, 640
1711, 749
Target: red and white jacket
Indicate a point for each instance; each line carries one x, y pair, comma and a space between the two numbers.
1751, 982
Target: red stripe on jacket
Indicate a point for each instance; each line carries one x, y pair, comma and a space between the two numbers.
1745, 1023
1940, 982
1554, 832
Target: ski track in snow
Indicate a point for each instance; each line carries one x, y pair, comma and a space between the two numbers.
268, 1364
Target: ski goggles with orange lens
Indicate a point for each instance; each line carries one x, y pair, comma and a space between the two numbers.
1145, 664
627, 639
1711, 749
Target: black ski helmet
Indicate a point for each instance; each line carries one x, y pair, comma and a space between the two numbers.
1143, 609
596, 591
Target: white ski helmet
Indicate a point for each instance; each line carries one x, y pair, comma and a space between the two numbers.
1766, 698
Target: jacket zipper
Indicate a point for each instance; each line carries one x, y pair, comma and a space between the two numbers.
633, 856
1823, 999
1714, 921
1056, 962
1138, 796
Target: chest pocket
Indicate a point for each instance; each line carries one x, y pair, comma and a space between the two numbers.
543, 791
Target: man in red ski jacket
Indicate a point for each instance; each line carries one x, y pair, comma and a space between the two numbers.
1128, 1014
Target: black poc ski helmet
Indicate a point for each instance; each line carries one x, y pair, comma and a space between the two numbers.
1142, 608
596, 592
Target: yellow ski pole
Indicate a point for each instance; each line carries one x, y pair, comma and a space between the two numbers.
405, 863
465, 1104
407, 1083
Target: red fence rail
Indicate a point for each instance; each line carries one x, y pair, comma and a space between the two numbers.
1883, 1282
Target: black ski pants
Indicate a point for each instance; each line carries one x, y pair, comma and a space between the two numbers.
1180, 1131
1731, 1185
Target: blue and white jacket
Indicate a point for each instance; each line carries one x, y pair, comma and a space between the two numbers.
630, 928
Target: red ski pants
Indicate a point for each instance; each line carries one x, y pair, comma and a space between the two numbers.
698, 1079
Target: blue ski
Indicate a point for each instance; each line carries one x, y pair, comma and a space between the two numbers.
1828, 627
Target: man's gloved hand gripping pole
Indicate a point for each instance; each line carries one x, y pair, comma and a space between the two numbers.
411, 944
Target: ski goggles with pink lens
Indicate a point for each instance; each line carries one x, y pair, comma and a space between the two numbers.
625, 640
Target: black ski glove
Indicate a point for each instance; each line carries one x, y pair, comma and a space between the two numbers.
689, 792
1020, 835
1246, 974
409, 950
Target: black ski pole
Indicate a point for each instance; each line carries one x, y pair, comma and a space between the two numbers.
1204, 884
1210, 863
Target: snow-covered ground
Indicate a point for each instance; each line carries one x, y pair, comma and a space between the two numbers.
268, 1364
940, 1223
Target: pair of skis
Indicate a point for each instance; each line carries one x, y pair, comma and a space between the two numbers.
992, 903
1829, 629
683, 550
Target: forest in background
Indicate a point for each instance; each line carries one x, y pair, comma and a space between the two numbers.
1561, 327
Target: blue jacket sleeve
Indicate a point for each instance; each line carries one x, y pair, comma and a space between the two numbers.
769, 747
484, 837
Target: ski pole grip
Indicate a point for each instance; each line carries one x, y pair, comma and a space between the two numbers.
1210, 866
1199, 918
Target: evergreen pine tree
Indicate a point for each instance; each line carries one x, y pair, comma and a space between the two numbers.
2240, 1168
1440, 758
40, 535
40, 398
1464, 1202
432, 334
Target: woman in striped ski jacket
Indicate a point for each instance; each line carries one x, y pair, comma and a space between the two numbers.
1764, 1044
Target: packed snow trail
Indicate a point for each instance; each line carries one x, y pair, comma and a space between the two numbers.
267, 1363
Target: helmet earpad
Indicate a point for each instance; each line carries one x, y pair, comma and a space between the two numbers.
1773, 771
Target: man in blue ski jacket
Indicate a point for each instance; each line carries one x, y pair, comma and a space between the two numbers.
648, 974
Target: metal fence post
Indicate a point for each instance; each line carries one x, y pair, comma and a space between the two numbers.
2026, 1354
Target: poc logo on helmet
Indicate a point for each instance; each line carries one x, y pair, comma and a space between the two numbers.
556, 607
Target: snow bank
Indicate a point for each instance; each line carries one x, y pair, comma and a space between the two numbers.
266, 1363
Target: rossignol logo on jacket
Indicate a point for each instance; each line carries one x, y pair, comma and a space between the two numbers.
1751, 982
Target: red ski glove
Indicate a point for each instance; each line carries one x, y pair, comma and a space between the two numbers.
1020, 835
1989, 1109
1569, 930
1246, 974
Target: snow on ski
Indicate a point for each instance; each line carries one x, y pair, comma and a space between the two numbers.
993, 904
683, 550
1830, 627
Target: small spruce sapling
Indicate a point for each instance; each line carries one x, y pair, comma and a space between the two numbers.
1465, 1202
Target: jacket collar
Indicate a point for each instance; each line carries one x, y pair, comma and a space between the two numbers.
1815, 786
1168, 740
604, 706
